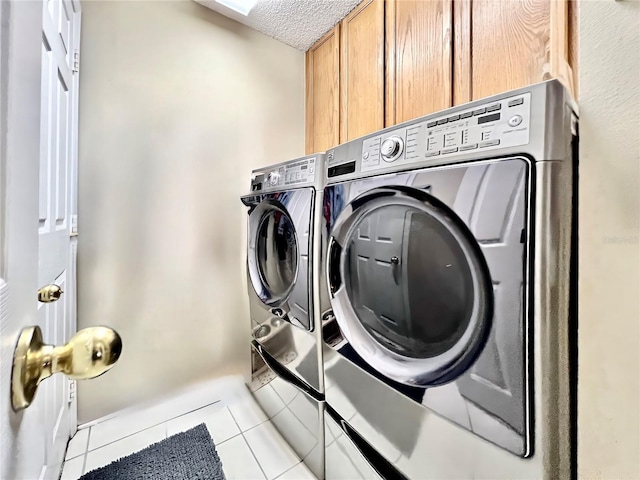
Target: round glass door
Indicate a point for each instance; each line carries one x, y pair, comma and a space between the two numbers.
411, 289
273, 252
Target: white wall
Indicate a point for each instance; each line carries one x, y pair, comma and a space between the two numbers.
609, 331
177, 105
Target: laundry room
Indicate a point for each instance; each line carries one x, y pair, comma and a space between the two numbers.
320, 239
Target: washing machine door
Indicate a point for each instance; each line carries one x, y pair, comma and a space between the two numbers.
272, 256
409, 285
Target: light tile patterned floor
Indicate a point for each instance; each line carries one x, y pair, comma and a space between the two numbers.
248, 444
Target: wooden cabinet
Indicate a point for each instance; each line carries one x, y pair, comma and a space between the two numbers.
500, 45
390, 61
419, 49
362, 70
323, 93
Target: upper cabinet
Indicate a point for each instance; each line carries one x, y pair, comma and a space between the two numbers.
362, 70
501, 45
390, 61
419, 50
323, 93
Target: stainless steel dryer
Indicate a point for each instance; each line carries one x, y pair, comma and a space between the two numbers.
449, 309
282, 259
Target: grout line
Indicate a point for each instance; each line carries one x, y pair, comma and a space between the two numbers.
254, 456
152, 426
304, 424
284, 405
136, 409
127, 436
290, 468
292, 399
256, 425
247, 444
225, 441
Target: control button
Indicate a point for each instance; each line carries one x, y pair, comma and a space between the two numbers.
273, 178
453, 118
493, 108
365, 155
515, 120
450, 150
432, 143
466, 114
432, 124
432, 154
516, 102
450, 139
479, 111
442, 121
391, 148
490, 143
469, 147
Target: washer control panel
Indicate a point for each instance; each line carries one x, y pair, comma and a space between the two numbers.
303, 171
503, 123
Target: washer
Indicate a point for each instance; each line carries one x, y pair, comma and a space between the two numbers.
282, 266
449, 292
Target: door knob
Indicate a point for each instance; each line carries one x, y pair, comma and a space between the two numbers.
89, 353
49, 293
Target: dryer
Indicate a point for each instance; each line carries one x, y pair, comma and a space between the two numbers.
449, 301
282, 266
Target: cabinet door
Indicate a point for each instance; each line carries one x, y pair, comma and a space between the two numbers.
419, 46
323, 93
499, 45
362, 70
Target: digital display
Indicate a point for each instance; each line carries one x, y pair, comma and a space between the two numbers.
342, 169
489, 118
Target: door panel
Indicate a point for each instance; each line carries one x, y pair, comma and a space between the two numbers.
496, 381
58, 160
323, 93
419, 46
378, 239
362, 71
501, 45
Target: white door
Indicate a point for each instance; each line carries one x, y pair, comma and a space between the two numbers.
58, 154
38, 115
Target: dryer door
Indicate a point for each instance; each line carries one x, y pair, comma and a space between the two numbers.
278, 253
410, 286
273, 252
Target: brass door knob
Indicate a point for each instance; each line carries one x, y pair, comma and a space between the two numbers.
89, 353
49, 294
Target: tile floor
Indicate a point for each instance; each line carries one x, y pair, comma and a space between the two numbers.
248, 444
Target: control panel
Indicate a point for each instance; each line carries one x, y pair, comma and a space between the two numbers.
289, 174
503, 123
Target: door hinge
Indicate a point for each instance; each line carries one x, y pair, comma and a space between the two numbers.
76, 62
72, 390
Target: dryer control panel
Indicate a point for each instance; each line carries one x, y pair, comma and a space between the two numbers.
290, 174
503, 123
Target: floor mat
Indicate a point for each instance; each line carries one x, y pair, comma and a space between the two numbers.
189, 455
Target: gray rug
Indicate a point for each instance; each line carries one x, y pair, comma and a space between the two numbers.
189, 455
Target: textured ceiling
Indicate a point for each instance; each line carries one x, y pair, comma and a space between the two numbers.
298, 23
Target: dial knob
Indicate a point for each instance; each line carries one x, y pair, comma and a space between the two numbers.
273, 178
391, 148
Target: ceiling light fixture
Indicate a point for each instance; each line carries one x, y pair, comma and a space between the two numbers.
241, 6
